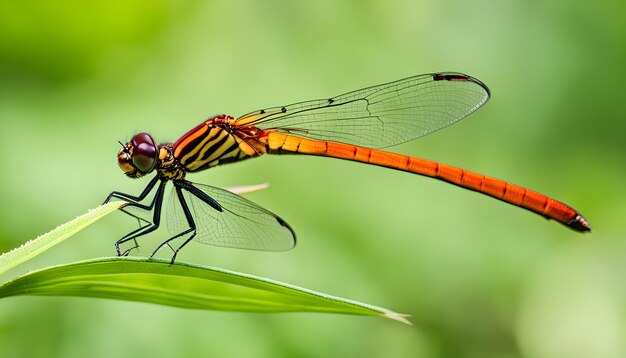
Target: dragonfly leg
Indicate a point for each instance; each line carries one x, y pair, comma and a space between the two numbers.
131, 236
187, 185
132, 198
128, 251
140, 220
167, 242
134, 201
190, 222
155, 205
181, 246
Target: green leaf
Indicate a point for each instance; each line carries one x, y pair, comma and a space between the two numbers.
156, 281
181, 285
35, 247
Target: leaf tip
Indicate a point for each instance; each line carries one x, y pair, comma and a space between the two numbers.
398, 317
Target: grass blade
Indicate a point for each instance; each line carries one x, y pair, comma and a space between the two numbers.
35, 247
182, 285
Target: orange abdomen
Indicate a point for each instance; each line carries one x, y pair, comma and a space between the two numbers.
550, 208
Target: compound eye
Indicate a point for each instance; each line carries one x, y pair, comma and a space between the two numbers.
124, 161
144, 153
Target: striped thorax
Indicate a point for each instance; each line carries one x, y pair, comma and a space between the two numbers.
169, 167
217, 141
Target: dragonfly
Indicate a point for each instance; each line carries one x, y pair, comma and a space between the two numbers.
352, 126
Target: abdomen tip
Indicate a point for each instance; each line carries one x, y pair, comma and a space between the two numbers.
579, 223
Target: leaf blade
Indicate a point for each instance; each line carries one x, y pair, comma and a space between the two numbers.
182, 285
34, 247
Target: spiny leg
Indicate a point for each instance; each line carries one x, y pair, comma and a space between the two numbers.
140, 220
132, 198
190, 222
142, 224
155, 205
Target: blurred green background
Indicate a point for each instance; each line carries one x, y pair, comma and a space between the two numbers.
479, 277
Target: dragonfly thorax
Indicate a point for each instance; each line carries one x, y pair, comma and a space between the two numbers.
168, 167
218, 140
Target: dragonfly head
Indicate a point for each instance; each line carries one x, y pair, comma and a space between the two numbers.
139, 156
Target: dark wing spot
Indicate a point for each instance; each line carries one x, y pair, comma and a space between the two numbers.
283, 109
450, 77
284, 224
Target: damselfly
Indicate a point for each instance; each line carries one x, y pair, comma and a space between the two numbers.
352, 126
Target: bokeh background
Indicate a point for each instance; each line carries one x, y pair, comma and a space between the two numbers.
480, 278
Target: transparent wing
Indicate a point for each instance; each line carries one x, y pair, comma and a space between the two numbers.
379, 116
241, 223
